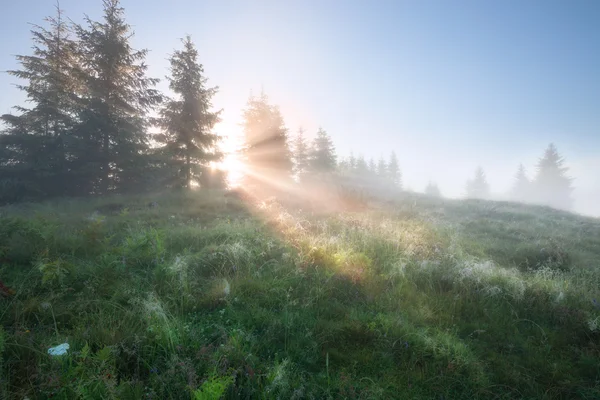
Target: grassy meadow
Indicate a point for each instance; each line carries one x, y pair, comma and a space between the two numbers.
205, 296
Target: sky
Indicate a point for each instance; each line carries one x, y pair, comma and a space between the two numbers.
448, 85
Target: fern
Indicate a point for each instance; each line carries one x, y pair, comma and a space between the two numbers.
214, 388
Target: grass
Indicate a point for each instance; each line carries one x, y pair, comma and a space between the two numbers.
206, 297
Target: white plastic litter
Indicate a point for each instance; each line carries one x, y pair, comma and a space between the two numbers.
59, 350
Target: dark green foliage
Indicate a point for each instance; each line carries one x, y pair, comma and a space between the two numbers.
189, 144
36, 147
116, 97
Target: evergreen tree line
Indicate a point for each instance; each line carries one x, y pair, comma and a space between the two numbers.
87, 130
549, 186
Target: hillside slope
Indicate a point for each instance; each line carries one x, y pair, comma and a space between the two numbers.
197, 295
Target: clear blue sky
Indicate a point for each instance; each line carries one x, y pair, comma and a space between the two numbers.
448, 85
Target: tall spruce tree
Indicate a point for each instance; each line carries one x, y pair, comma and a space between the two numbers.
322, 157
521, 190
300, 154
34, 145
478, 187
116, 98
393, 171
187, 121
267, 152
551, 185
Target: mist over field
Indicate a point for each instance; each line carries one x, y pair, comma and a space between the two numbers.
299, 200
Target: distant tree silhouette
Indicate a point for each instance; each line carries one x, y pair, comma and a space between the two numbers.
36, 146
300, 154
361, 167
322, 154
352, 162
372, 167
382, 168
433, 190
343, 166
115, 100
186, 120
478, 187
521, 190
393, 171
267, 153
551, 186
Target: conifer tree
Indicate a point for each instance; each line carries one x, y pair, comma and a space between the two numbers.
361, 167
34, 146
343, 166
478, 187
433, 190
300, 154
352, 162
521, 189
117, 96
186, 120
322, 157
381, 168
372, 167
551, 185
267, 152
393, 171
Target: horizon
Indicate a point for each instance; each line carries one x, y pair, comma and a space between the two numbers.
486, 85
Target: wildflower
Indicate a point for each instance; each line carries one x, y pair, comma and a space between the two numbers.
26, 330
154, 370
406, 345
596, 304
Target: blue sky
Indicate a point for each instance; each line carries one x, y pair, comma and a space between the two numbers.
448, 85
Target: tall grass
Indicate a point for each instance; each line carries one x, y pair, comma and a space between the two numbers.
206, 298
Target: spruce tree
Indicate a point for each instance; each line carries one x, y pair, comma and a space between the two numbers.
361, 167
322, 157
352, 162
433, 190
551, 186
478, 187
372, 167
187, 121
267, 153
521, 189
34, 146
300, 154
117, 96
394, 174
343, 166
382, 168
